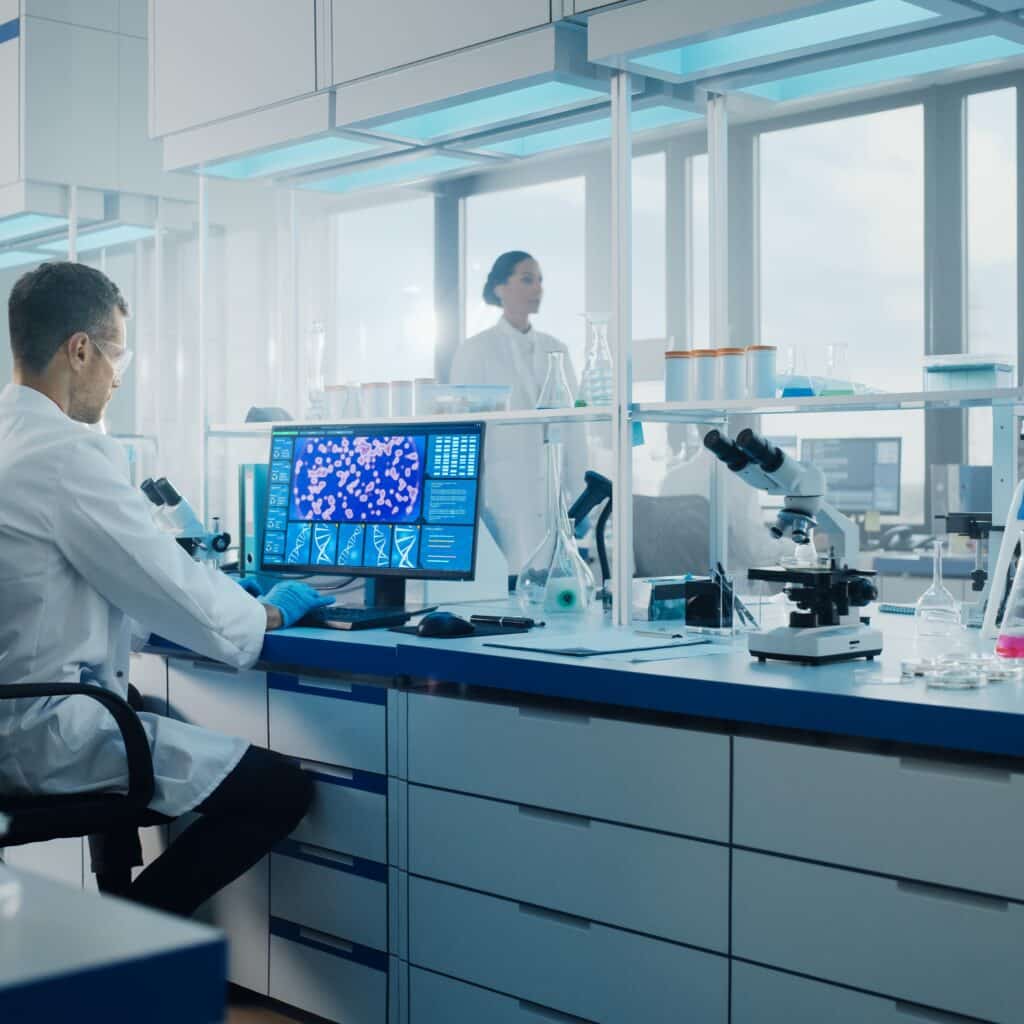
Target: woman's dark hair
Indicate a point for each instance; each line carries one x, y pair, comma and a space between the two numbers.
504, 267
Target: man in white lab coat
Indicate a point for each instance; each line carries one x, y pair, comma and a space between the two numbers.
79, 554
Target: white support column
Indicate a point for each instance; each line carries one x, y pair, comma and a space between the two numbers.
152, 358
622, 339
718, 194
73, 223
202, 378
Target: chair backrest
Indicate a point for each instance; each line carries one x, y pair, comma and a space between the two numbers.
670, 534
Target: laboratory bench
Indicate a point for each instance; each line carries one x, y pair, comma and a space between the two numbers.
508, 836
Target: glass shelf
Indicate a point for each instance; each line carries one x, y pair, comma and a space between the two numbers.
589, 414
715, 411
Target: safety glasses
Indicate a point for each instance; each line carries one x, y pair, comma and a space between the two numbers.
119, 358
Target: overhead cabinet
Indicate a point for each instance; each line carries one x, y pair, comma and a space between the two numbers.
213, 59
374, 37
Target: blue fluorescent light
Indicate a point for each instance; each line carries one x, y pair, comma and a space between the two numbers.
391, 174
474, 115
812, 31
290, 158
644, 120
19, 259
29, 224
107, 238
887, 69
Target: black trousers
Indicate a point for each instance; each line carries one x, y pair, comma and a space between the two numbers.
259, 802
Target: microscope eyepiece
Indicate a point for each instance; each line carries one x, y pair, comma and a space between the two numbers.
762, 451
725, 450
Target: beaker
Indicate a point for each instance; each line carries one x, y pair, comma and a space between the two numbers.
1011, 633
796, 380
937, 612
555, 577
556, 393
596, 383
837, 370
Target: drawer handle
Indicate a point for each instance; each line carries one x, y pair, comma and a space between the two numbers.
326, 940
923, 1013
553, 915
327, 769
548, 1014
214, 666
562, 818
555, 715
324, 684
938, 892
977, 772
319, 851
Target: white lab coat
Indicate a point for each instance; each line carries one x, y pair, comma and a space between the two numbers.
514, 466
79, 552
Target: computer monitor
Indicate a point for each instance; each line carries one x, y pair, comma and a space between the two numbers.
371, 500
863, 473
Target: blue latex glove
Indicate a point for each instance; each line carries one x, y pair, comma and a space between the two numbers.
249, 585
294, 600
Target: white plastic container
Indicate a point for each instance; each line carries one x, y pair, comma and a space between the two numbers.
705, 374
375, 399
761, 373
732, 374
678, 376
401, 398
964, 371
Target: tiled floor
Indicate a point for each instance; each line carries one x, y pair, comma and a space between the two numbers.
244, 1008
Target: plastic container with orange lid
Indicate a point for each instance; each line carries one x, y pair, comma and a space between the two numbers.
678, 376
761, 374
732, 374
705, 374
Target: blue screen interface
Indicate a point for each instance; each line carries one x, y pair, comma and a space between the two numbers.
360, 500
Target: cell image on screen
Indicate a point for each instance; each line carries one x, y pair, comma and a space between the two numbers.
357, 479
373, 503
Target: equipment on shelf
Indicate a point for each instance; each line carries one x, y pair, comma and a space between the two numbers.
826, 626
976, 526
176, 516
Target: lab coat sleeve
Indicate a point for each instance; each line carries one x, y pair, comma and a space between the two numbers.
103, 527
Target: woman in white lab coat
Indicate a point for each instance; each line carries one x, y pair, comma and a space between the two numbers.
514, 353
81, 560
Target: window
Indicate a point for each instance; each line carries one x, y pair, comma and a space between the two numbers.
548, 221
991, 242
843, 261
386, 327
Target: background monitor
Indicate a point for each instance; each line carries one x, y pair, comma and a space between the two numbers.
863, 473
369, 500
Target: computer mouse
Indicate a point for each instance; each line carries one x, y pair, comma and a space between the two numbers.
444, 624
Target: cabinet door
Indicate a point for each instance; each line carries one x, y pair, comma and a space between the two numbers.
213, 59
10, 96
369, 38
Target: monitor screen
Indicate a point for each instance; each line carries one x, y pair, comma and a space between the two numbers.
363, 500
863, 473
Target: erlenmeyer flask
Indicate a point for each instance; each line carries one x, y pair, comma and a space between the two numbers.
555, 577
1011, 633
597, 381
937, 612
556, 393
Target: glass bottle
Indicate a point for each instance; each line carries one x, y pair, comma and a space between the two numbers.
937, 613
556, 393
596, 383
1011, 633
316, 395
555, 578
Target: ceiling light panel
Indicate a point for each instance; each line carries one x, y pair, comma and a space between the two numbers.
24, 225
396, 172
296, 157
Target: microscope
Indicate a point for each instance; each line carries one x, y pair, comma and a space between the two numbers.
176, 516
826, 626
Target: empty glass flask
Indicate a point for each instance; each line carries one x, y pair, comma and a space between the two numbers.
556, 393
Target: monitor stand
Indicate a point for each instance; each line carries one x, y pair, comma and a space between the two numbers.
385, 592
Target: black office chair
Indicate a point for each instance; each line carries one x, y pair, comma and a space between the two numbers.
38, 817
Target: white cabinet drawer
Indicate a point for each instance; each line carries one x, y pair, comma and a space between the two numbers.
675, 780
562, 962
330, 893
219, 697
329, 720
328, 976
906, 940
761, 996
349, 812
437, 1000
917, 818
647, 881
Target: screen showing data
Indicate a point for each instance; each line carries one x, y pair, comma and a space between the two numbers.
365, 501
862, 473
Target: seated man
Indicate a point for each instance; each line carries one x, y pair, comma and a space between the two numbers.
79, 553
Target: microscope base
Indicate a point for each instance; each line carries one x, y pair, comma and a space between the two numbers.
818, 645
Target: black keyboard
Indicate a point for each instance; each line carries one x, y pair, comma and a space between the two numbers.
358, 617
